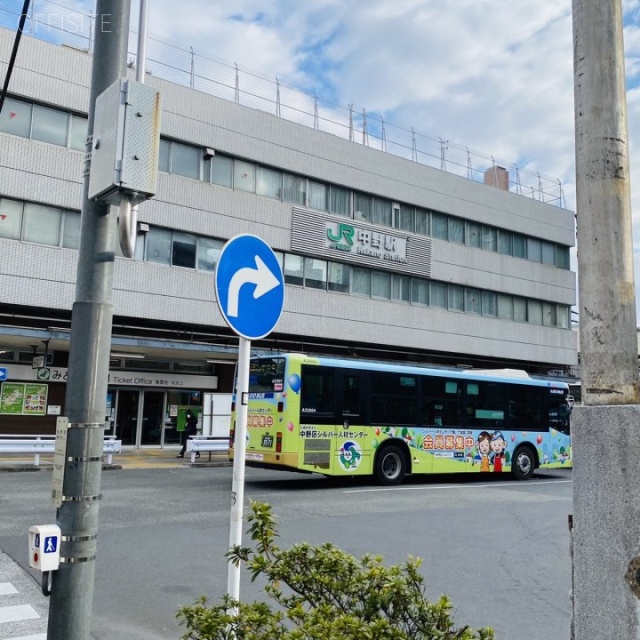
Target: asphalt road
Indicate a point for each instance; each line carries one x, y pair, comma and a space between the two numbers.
498, 548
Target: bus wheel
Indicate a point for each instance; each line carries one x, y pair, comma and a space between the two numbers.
523, 464
391, 465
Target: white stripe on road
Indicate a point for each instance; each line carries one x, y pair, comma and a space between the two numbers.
6, 588
454, 486
38, 636
17, 613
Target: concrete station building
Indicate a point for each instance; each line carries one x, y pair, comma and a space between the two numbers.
383, 256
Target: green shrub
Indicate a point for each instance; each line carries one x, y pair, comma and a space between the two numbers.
323, 593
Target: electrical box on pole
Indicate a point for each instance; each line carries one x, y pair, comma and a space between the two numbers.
126, 143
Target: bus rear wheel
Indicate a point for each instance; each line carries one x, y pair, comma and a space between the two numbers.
391, 466
523, 464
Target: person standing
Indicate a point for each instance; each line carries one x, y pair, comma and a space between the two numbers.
190, 429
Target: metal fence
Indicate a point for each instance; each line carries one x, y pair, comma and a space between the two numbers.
63, 24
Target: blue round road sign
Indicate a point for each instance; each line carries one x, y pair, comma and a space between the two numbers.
249, 286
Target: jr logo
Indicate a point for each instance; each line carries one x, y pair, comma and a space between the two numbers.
345, 231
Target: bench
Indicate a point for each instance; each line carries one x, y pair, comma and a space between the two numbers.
210, 444
38, 445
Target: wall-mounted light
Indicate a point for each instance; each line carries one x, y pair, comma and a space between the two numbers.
129, 356
209, 153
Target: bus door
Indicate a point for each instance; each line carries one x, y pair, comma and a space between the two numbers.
352, 443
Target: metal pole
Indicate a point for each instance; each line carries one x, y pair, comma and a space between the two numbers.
240, 446
72, 584
605, 432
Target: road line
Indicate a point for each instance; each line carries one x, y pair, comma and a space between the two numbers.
6, 588
38, 636
18, 612
453, 486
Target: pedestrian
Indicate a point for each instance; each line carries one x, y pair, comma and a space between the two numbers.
190, 429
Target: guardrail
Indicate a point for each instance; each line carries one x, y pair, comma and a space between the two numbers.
39, 444
210, 444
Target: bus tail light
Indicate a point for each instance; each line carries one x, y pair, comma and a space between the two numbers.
279, 442
280, 407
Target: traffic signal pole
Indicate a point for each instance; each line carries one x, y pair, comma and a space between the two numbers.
72, 585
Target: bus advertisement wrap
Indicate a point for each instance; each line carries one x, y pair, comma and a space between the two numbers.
341, 417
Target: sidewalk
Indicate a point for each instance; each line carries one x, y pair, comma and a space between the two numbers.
130, 458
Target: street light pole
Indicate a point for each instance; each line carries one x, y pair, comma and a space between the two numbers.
72, 584
606, 431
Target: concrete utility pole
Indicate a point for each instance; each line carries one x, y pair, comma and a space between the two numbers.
72, 584
606, 431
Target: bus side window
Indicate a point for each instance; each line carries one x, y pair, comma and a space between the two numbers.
317, 391
351, 396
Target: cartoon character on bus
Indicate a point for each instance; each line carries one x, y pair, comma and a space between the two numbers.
498, 447
484, 448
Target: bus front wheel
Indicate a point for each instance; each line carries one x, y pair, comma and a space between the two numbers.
391, 465
523, 464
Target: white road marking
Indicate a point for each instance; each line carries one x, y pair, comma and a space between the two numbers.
6, 588
38, 636
453, 486
18, 612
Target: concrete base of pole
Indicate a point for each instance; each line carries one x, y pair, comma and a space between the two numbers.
606, 521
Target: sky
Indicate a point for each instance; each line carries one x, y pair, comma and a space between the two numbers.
492, 77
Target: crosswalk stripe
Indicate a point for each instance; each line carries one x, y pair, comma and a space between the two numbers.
6, 589
17, 613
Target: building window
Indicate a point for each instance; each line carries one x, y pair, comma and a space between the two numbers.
519, 246
49, 125
158, 245
534, 250
381, 212
79, 133
219, 169
548, 253
244, 176
381, 285
456, 230
519, 309
400, 288
455, 298
208, 253
339, 277
71, 230
361, 281
489, 238
422, 222
41, 225
11, 221
439, 226
318, 196
16, 118
269, 183
315, 273
185, 160
420, 292
474, 235
505, 307
293, 269
295, 189
183, 253
534, 311
438, 295
489, 304
340, 200
505, 242
362, 207
406, 218
472, 300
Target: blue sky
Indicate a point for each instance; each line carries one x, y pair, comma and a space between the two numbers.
494, 77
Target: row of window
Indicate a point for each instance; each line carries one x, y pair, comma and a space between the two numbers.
37, 122
189, 161
61, 228
405, 399
60, 127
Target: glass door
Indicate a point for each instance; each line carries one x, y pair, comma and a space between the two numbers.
152, 414
127, 416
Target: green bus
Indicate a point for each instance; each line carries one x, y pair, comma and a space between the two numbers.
343, 417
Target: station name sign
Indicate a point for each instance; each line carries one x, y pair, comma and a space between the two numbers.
349, 238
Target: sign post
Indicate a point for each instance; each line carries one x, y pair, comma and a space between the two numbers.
250, 293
